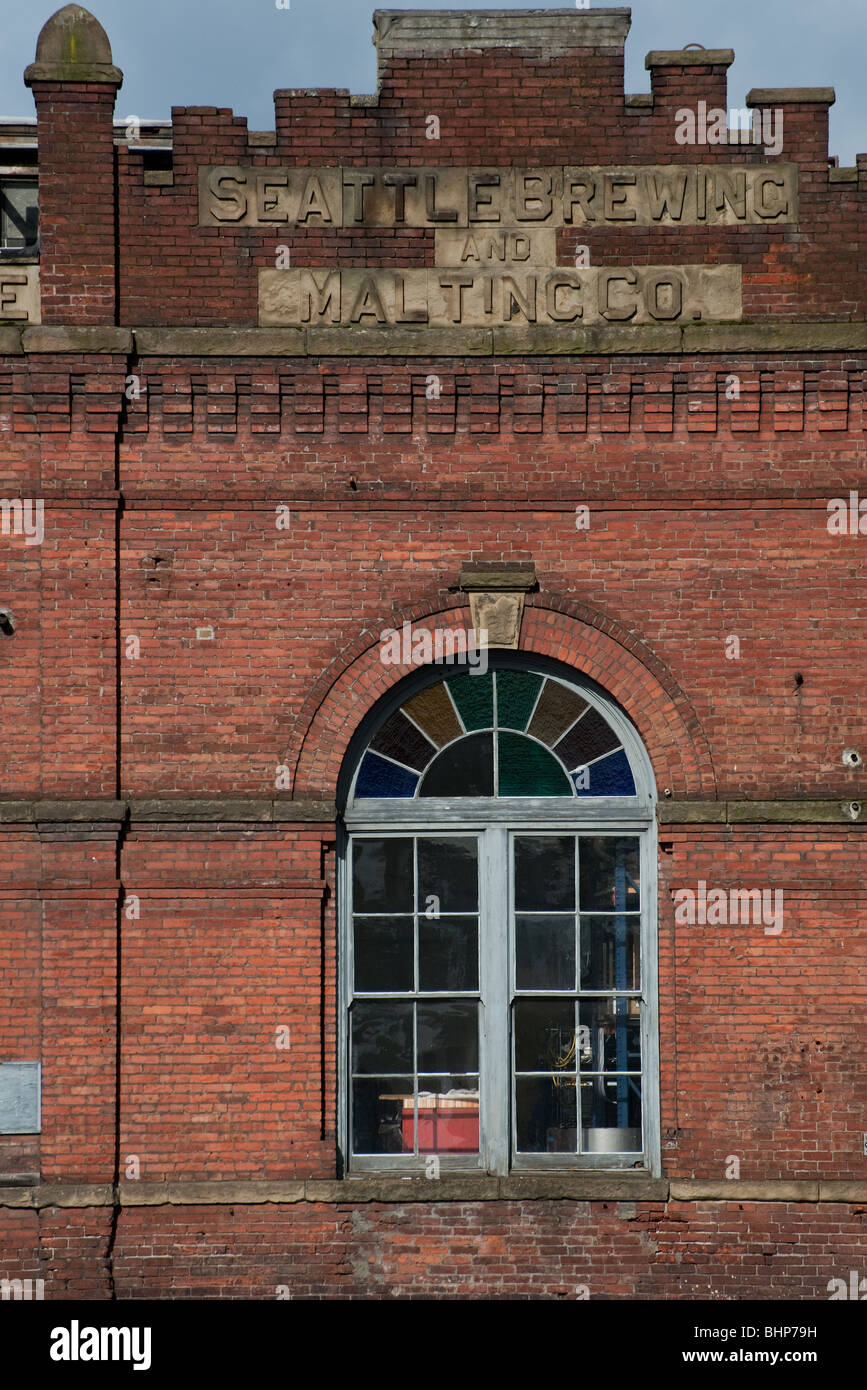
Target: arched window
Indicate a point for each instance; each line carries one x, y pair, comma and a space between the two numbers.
498, 928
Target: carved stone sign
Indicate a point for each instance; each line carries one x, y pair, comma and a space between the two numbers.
517, 296
631, 195
19, 294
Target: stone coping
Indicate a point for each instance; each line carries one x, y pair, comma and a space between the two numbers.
245, 341
601, 1187
423, 32
261, 810
781, 96
689, 57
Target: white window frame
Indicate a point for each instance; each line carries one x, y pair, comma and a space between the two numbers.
495, 822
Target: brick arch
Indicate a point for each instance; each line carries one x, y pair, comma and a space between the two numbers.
589, 642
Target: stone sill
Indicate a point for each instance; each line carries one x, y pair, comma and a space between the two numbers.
595, 1187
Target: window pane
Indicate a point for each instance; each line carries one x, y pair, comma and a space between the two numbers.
545, 1035
546, 1114
448, 1115
382, 1115
465, 768
18, 213
609, 952
611, 1114
588, 739
474, 697
528, 769
609, 873
448, 870
382, 876
448, 953
378, 777
400, 739
516, 696
448, 1037
558, 708
383, 954
544, 873
611, 776
434, 712
545, 952
613, 1034
381, 1036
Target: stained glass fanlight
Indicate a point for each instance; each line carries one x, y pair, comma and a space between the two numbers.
504, 733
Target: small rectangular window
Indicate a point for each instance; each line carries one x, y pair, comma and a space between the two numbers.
19, 213
20, 1097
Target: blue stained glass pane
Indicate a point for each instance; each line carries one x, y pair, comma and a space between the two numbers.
611, 776
377, 777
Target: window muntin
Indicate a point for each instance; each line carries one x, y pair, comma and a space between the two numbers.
591, 960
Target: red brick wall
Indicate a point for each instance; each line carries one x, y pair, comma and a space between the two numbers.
549, 1249
494, 109
708, 518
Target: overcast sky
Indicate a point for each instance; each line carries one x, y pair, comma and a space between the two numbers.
236, 52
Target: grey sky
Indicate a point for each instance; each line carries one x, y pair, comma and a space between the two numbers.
236, 52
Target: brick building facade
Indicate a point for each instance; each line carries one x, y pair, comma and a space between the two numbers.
498, 348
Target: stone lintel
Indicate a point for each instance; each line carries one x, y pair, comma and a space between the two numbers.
774, 337
830, 811
45, 811
258, 810
742, 1190
73, 338
790, 812
691, 812
398, 342
10, 341
322, 810
200, 808
614, 341
782, 96
689, 58
155, 1194
220, 342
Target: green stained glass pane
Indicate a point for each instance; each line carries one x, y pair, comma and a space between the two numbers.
528, 769
474, 697
516, 696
